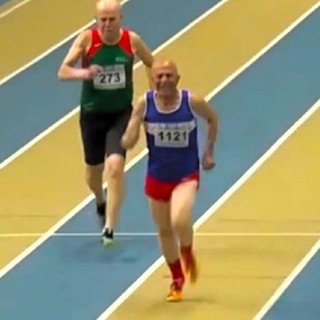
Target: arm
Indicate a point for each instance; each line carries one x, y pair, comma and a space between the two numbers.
67, 71
205, 111
131, 135
144, 53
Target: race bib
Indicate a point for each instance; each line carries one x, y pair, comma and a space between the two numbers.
172, 138
112, 77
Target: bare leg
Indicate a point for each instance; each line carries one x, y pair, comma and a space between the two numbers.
181, 215
167, 241
94, 181
168, 244
115, 178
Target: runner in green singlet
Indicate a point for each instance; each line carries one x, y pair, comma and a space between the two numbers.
107, 54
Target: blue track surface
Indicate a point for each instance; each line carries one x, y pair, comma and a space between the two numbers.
301, 300
43, 100
254, 110
3, 2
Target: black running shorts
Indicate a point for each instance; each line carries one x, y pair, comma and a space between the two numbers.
101, 134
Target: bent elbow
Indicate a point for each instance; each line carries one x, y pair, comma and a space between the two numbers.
62, 74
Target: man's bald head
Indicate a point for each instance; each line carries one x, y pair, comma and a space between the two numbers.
108, 6
109, 16
165, 64
165, 76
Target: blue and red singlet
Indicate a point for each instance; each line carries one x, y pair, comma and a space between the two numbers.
172, 141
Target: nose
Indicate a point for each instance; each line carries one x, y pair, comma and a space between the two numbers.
164, 78
108, 23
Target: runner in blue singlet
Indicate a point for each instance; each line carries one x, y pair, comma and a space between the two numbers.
169, 116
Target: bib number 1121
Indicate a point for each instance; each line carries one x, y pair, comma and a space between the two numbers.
171, 138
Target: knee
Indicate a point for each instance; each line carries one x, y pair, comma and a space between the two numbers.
165, 232
115, 167
180, 219
94, 173
177, 224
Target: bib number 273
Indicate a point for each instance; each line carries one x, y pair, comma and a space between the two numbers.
112, 77
107, 78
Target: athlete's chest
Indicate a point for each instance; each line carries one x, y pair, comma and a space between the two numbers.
106, 55
171, 134
116, 65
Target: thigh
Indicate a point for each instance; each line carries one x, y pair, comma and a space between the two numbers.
160, 212
183, 198
117, 128
93, 136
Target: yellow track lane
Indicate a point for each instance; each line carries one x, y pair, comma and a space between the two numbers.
47, 181
239, 273
38, 25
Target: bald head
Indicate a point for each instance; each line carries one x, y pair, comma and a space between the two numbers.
165, 64
165, 76
109, 16
108, 6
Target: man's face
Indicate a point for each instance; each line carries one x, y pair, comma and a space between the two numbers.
109, 22
165, 79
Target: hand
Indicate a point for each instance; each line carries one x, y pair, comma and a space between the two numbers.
126, 142
208, 161
92, 71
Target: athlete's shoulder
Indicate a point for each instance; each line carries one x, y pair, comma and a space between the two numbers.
140, 48
149, 95
132, 34
84, 37
88, 33
142, 101
140, 107
196, 99
135, 39
146, 97
201, 107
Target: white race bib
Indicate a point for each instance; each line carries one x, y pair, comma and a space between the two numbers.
112, 77
171, 137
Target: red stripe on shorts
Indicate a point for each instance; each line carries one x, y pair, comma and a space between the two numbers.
162, 190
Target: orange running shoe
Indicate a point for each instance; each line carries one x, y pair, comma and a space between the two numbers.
175, 291
191, 268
